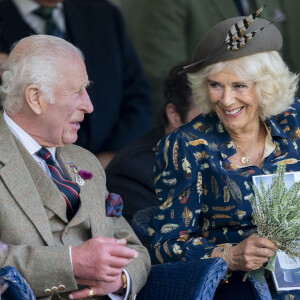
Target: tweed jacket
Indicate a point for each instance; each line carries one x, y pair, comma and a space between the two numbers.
33, 218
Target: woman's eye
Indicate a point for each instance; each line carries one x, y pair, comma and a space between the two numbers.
214, 84
240, 86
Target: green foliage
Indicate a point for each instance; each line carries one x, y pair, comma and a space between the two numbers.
276, 212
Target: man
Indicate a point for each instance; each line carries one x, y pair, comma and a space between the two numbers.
119, 93
53, 193
130, 173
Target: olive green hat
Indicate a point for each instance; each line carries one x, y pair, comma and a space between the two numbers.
241, 40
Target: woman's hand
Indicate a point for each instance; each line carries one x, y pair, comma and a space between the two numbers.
249, 254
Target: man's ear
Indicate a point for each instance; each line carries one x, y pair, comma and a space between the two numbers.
173, 116
34, 98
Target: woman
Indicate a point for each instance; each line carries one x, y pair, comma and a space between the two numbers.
203, 170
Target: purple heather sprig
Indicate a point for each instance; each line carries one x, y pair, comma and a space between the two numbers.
85, 175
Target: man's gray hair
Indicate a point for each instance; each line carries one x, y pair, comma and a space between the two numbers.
38, 60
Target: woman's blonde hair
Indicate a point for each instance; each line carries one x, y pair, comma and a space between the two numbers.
275, 85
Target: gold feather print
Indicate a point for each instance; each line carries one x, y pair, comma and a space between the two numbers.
204, 166
226, 194
197, 241
194, 221
169, 182
213, 240
150, 231
159, 217
166, 148
168, 202
297, 132
220, 216
247, 186
184, 196
166, 173
240, 214
177, 250
282, 156
187, 215
220, 127
157, 177
201, 155
205, 224
158, 255
198, 142
168, 228
284, 121
289, 161
222, 208
166, 248
172, 214
241, 232
200, 126
186, 166
175, 155
183, 238
286, 129
199, 185
204, 208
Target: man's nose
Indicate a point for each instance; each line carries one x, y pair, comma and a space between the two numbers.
87, 105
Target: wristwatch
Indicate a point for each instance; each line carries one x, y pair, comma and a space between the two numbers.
124, 279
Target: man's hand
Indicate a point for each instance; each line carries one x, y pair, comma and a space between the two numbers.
3, 58
98, 263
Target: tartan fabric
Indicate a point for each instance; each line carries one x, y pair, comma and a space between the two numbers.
114, 205
51, 26
69, 189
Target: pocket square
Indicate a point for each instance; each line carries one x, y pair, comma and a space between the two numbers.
114, 205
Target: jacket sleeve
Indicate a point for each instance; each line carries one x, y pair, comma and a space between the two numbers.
179, 187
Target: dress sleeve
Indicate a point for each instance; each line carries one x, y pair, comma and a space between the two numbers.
179, 187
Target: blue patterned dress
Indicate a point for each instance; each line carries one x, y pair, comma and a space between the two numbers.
205, 198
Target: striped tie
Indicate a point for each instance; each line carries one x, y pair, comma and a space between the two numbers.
51, 26
69, 189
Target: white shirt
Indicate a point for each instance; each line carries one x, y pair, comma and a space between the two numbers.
38, 24
32, 147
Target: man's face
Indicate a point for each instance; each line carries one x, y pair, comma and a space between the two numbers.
61, 121
48, 3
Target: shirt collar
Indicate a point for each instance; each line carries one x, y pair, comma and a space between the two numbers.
26, 6
27, 141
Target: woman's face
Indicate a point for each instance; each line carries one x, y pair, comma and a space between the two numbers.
234, 101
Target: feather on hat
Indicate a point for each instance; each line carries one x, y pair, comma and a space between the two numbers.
229, 40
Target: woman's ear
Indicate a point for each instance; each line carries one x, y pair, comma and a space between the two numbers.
174, 119
34, 98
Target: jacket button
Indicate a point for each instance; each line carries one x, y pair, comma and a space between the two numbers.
61, 287
54, 289
47, 291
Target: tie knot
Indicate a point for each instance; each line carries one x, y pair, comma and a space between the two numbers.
44, 12
44, 154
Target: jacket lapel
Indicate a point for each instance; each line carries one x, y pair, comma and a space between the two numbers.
19, 182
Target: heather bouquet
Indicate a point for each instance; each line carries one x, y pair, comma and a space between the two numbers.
276, 213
